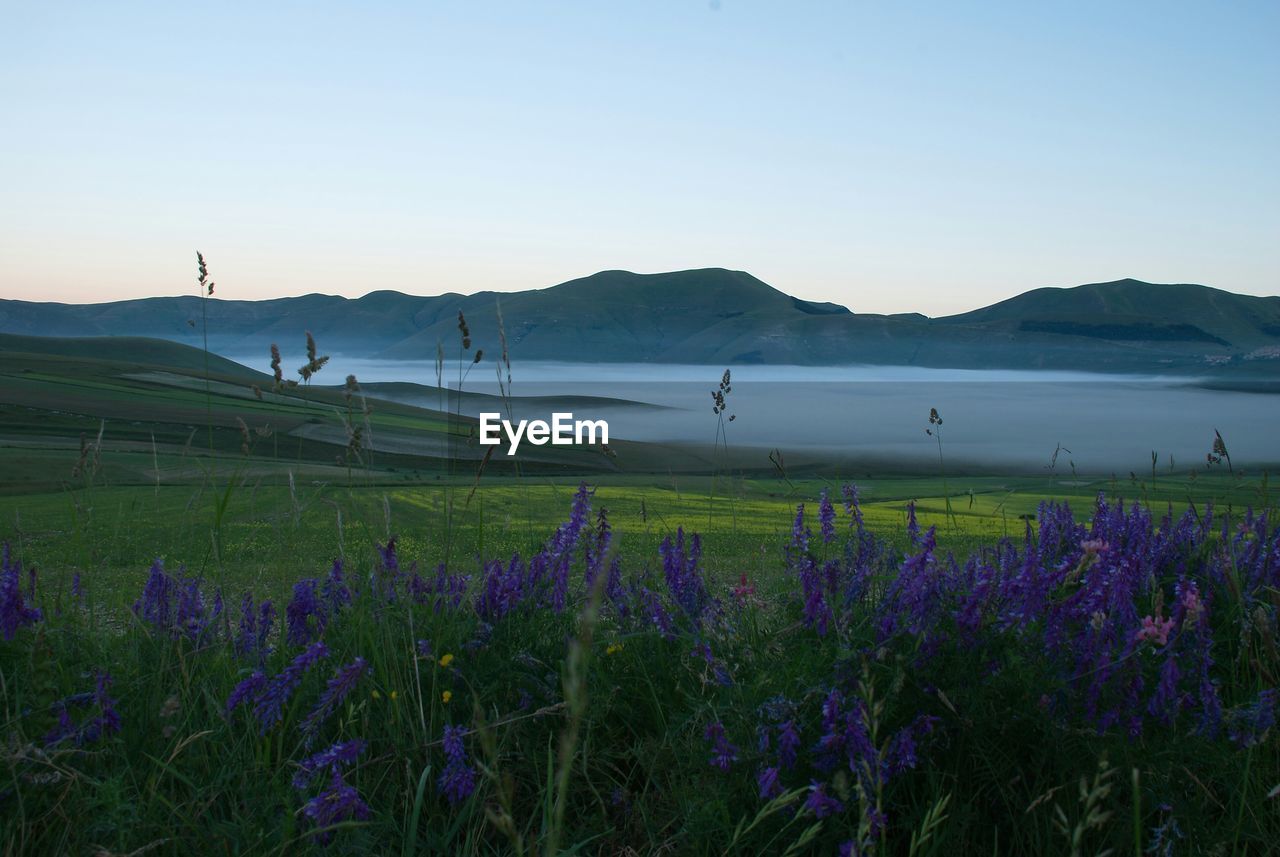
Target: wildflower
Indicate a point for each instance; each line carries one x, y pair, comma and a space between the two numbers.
424, 649
1248, 725
683, 577
305, 615
820, 802
1155, 629
744, 591
14, 612
334, 590
1092, 547
767, 781
154, 606
799, 532
723, 754
190, 617
339, 802
446, 659
788, 744
105, 721
269, 703
851, 504
1191, 604
1165, 836
827, 518
458, 780
254, 636
613, 648
266, 622
331, 759
446, 697
336, 690
247, 690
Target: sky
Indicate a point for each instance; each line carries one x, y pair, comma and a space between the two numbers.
891, 157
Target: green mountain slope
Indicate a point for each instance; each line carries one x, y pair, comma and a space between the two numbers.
717, 316
1130, 310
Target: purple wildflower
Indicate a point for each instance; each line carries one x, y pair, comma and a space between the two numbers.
14, 612
105, 721
246, 643
788, 745
445, 592
1248, 725
190, 618
458, 780
266, 624
305, 614
683, 577
334, 590
820, 802
827, 518
339, 802
246, 690
154, 607
852, 506
767, 780
332, 759
723, 753
799, 533
269, 704
336, 690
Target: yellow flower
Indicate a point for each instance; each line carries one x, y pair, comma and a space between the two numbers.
446, 696
613, 649
446, 660
376, 695
394, 694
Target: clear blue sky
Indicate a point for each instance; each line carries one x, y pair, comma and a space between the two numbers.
888, 156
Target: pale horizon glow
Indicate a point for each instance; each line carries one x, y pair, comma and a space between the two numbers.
886, 158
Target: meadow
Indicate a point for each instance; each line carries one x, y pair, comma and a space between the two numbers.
220, 640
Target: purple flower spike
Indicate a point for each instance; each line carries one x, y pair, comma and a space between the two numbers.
339, 802
458, 780
334, 693
820, 802
14, 612
269, 705
723, 753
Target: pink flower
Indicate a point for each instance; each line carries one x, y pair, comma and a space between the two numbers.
1155, 629
744, 591
1192, 604
1094, 546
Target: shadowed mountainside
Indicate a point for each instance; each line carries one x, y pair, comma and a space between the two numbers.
718, 316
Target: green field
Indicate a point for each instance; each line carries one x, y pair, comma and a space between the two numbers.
168, 470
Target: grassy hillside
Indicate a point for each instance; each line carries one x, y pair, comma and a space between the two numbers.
1133, 310
121, 350
144, 412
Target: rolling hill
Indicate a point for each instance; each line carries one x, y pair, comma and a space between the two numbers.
717, 316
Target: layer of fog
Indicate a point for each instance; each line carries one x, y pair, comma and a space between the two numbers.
1104, 423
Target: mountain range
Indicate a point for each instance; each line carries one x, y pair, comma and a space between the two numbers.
715, 316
